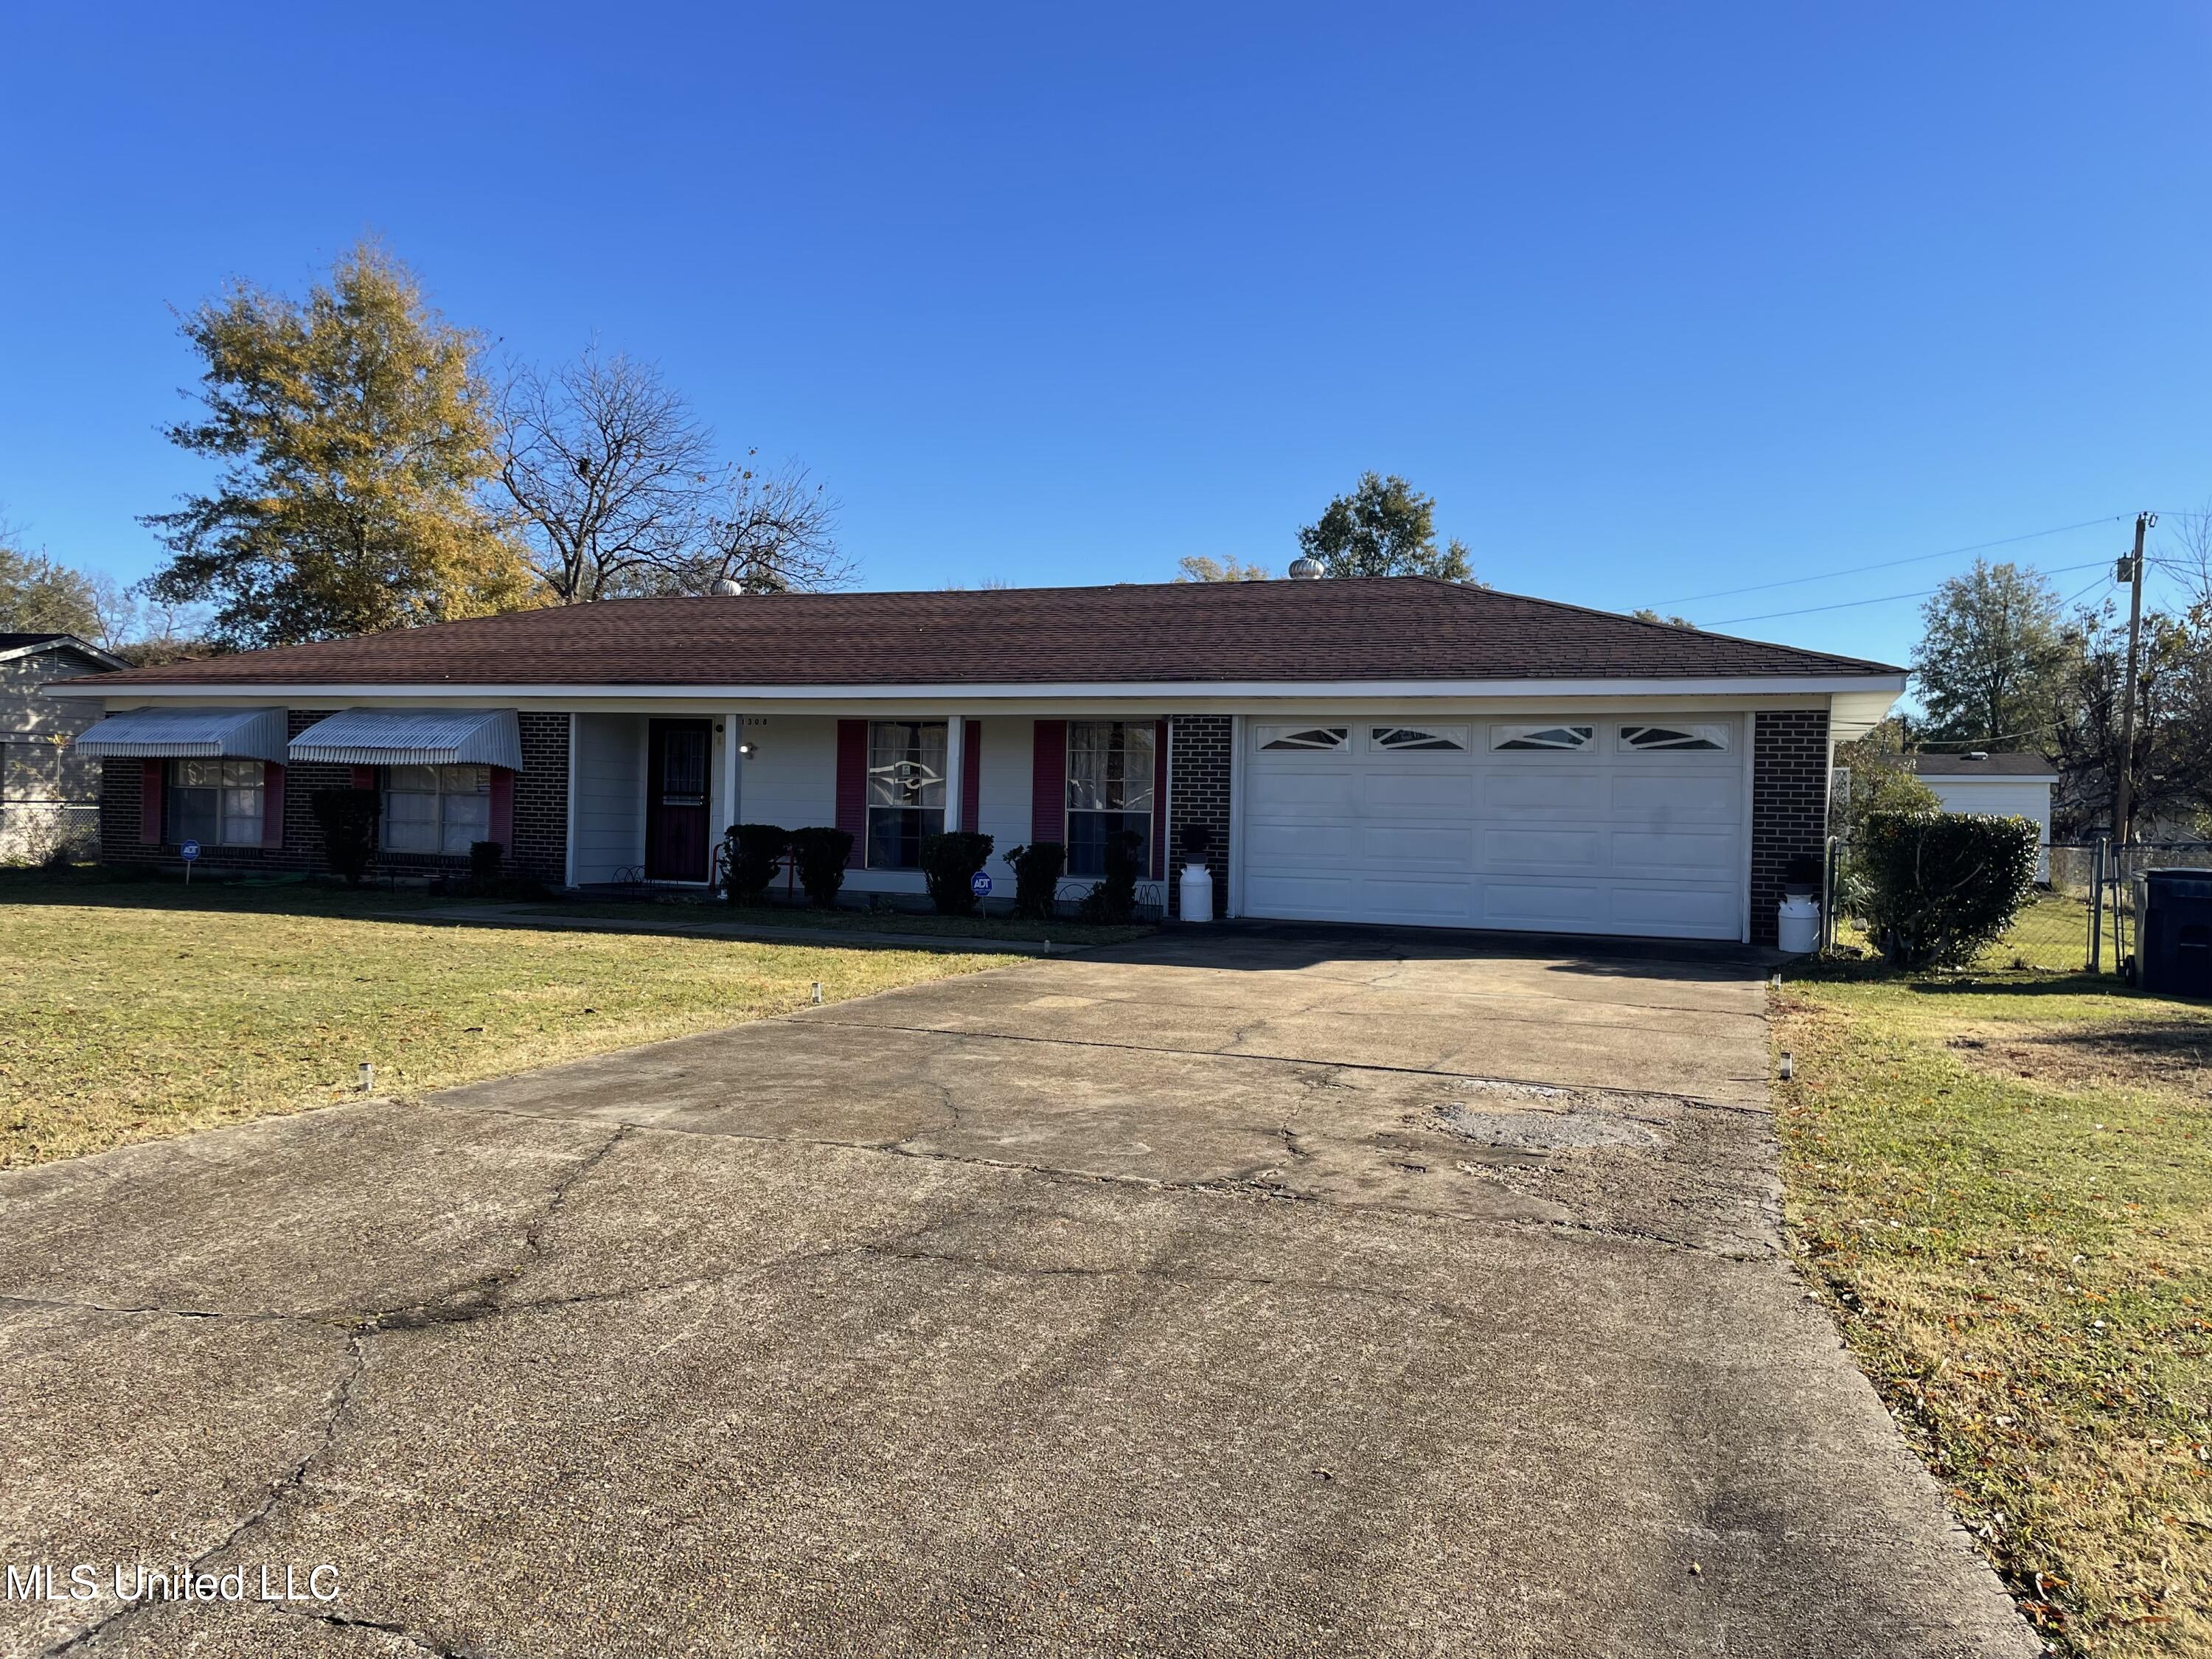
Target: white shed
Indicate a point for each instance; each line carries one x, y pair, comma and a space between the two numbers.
2006, 786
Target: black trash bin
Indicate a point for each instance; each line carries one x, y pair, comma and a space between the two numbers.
2174, 932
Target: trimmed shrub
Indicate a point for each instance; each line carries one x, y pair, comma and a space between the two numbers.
751, 854
348, 818
949, 863
820, 853
1036, 877
1114, 900
1934, 888
485, 858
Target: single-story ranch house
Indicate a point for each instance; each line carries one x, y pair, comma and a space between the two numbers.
1389, 750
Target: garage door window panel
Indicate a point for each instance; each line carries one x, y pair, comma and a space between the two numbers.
1319, 739
1560, 739
1398, 740
1109, 790
1640, 739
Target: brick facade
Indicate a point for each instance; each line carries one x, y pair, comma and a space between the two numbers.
1788, 803
1200, 748
540, 847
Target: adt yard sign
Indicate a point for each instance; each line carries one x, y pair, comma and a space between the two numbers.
188, 852
979, 884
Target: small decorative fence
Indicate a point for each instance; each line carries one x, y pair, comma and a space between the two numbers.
2081, 920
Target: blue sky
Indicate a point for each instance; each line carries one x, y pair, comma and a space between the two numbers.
1654, 302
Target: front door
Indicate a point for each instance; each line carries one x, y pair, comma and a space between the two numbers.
676, 799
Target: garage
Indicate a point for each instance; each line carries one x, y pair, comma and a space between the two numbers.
1623, 824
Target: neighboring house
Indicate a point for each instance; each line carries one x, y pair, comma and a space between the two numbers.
49, 793
1388, 749
2005, 786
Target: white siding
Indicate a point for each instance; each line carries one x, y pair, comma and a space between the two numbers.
1003, 809
2007, 798
610, 803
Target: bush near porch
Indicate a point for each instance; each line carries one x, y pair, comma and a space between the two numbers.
129, 1011
2000, 1182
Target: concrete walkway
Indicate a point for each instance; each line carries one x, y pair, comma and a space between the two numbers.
1287, 1294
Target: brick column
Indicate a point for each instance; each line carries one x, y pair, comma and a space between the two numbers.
541, 799
1788, 803
1199, 749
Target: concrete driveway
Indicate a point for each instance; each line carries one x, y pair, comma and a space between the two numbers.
1280, 1294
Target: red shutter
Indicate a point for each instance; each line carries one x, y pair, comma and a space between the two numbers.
852, 787
364, 777
1049, 783
1159, 800
971, 776
273, 804
502, 809
152, 774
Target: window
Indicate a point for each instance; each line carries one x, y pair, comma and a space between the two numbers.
216, 803
1542, 737
1302, 737
1109, 789
1673, 736
436, 809
906, 790
1418, 737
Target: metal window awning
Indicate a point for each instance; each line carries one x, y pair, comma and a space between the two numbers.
186, 734
414, 737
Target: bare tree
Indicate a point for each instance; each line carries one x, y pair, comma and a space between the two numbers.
611, 475
771, 533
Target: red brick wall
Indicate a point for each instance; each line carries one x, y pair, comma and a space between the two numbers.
541, 813
1788, 803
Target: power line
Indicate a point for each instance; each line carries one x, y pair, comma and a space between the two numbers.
1886, 599
1890, 564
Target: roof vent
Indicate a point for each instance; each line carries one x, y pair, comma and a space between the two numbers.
1978, 754
725, 587
1305, 569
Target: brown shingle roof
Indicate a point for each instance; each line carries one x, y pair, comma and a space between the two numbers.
1403, 628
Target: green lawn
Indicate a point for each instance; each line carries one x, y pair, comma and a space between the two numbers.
1059, 932
129, 1011
2002, 1185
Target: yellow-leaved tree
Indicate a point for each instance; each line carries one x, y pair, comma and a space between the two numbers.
357, 437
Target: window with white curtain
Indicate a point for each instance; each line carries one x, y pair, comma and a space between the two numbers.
1109, 789
216, 803
436, 809
906, 790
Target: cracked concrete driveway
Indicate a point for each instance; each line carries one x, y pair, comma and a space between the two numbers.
1276, 1294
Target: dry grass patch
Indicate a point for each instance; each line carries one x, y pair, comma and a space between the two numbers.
2016, 1240
131, 1013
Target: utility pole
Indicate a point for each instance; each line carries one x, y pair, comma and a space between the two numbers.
2135, 569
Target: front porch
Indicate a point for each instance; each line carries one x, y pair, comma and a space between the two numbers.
650, 794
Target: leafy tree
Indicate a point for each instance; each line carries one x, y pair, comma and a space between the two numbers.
1882, 781
1197, 568
1383, 528
2174, 697
39, 595
356, 437
1991, 659
1645, 613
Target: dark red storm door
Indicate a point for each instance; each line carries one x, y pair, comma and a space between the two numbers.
676, 799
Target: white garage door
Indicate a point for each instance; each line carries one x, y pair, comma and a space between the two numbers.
1620, 825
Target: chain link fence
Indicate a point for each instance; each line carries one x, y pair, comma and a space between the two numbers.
2082, 919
